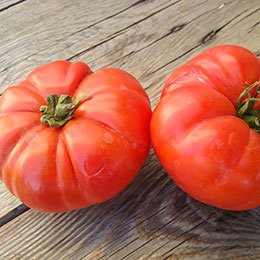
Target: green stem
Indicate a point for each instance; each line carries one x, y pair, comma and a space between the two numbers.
60, 110
244, 109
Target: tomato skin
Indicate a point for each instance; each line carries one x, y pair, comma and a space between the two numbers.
91, 158
208, 151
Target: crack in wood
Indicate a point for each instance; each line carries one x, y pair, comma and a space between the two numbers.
92, 47
78, 31
120, 32
254, 25
174, 29
252, 28
248, 15
11, 5
190, 236
147, 17
209, 36
13, 214
177, 28
106, 18
204, 40
107, 242
214, 32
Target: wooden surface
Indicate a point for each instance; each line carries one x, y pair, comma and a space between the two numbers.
151, 218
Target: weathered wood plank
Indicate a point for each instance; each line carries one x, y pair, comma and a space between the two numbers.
6, 4
152, 218
170, 50
7, 201
159, 225
74, 229
57, 28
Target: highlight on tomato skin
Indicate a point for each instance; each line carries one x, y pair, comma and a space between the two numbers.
205, 128
71, 137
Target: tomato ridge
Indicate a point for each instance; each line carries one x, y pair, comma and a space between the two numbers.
15, 144
63, 138
13, 153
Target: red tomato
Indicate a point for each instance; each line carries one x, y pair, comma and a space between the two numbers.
89, 159
207, 150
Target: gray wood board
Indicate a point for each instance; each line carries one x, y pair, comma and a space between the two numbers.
151, 218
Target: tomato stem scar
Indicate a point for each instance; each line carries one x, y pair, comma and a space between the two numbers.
60, 110
244, 109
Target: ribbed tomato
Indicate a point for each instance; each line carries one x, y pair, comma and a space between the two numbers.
81, 147
204, 135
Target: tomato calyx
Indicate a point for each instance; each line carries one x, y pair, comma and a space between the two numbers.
60, 110
244, 109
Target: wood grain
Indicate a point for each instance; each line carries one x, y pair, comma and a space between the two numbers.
7, 201
6, 4
72, 28
152, 218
